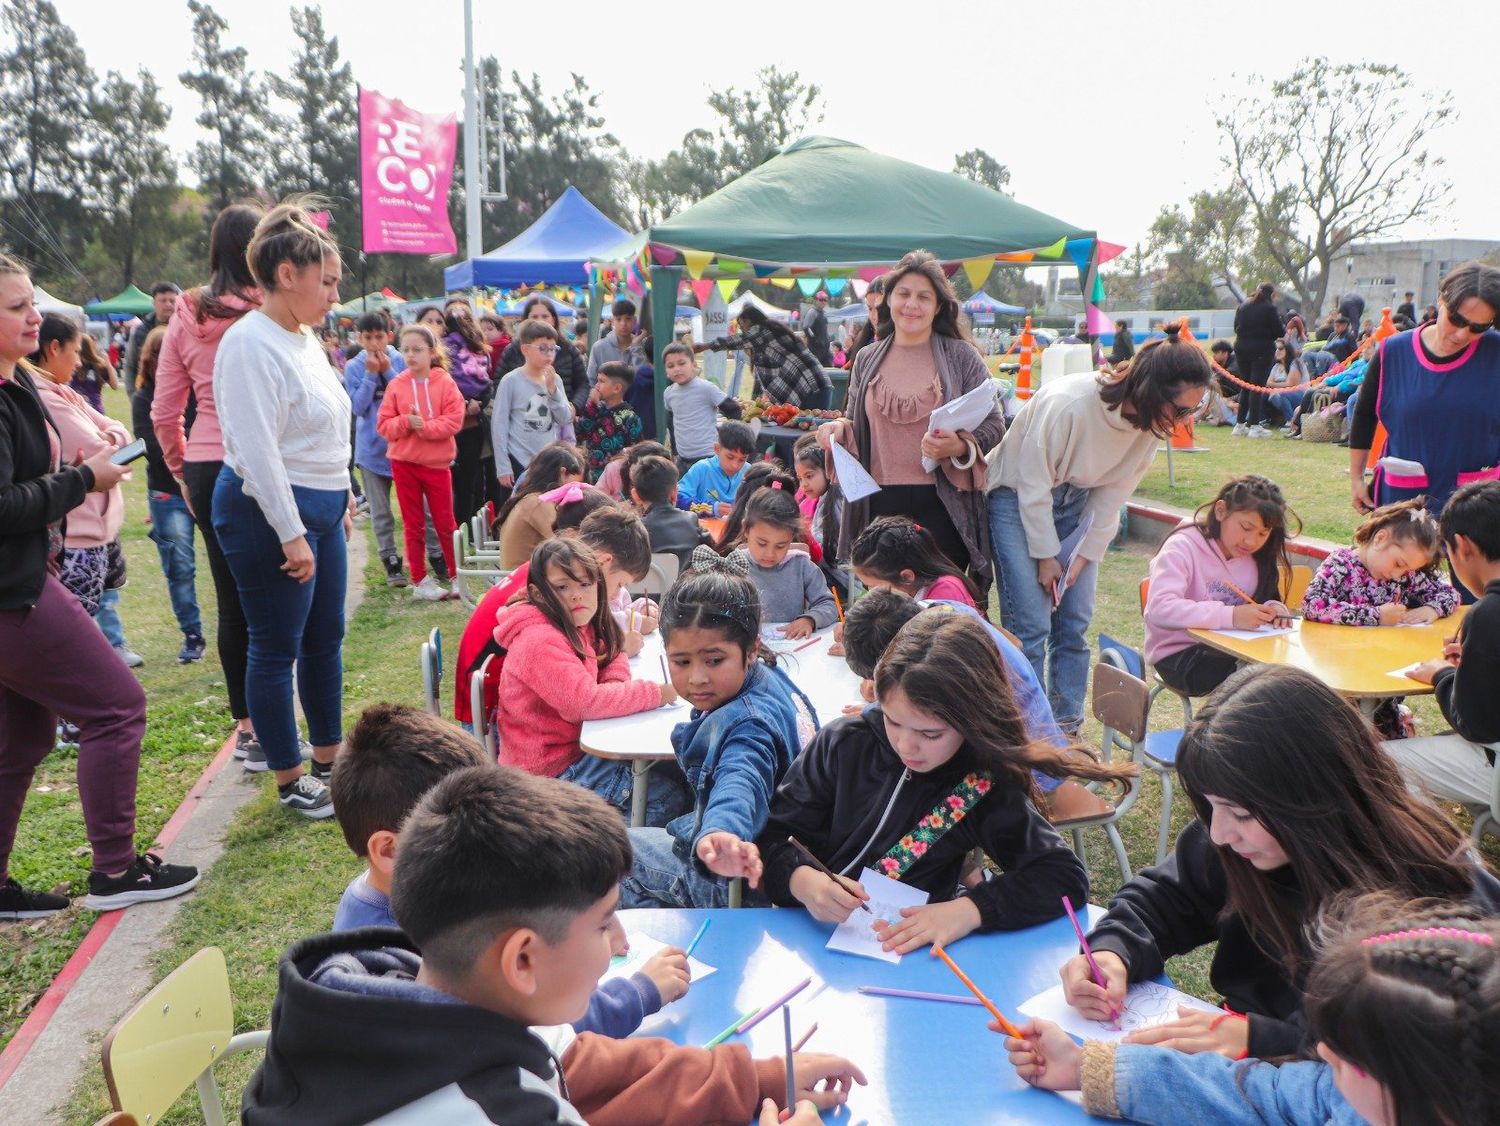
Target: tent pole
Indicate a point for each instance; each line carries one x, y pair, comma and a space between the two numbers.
664, 283
473, 183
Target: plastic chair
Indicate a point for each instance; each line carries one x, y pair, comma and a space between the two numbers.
483, 730
431, 658
171, 1040
660, 577
1159, 749
469, 563
1296, 588
1120, 702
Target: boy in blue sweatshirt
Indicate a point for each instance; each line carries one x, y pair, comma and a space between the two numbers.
715, 480
366, 376
393, 756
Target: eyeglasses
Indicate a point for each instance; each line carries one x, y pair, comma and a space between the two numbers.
545, 349
1458, 321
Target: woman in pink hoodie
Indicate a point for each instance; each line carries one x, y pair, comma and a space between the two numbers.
565, 663
192, 445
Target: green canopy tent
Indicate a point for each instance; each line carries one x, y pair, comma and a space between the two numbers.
829, 209
129, 302
369, 303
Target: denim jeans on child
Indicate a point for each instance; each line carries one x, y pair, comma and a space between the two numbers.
1054, 641
666, 790
289, 621
172, 532
663, 875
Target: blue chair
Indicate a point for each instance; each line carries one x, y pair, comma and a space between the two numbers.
1158, 751
431, 658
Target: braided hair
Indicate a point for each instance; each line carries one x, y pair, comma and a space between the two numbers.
892, 544
1409, 993
716, 600
759, 476
1254, 493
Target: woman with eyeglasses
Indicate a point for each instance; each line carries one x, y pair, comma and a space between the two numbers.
1436, 390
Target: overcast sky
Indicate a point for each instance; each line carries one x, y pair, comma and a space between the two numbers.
1102, 113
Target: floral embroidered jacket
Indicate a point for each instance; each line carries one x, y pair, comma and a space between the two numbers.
1345, 593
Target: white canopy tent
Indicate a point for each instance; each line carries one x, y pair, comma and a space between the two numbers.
46, 303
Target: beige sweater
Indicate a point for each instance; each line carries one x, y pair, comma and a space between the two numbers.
1066, 436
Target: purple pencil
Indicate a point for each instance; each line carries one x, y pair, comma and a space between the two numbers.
1089, 954
914, 995
773, 1006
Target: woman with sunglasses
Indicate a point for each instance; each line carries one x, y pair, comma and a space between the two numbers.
1436, 390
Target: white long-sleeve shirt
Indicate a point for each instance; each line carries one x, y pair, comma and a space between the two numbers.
285, 417
1065, 435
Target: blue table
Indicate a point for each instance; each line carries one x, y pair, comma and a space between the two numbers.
927, 1062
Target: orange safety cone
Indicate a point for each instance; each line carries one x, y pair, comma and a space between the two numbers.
1023, 376
1182, 435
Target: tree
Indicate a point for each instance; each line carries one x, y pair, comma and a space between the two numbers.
323, 130
1329, 156
132, 177
230, 162
982, 168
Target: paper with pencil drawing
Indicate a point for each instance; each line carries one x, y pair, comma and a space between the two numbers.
856, 934
1147, 1004
853, 478
1254, 634
642, 949
964, 413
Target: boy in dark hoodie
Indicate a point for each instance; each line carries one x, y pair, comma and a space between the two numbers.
508, 884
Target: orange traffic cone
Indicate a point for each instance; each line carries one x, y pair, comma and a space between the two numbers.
1023, 376
1182, 435
1387, 327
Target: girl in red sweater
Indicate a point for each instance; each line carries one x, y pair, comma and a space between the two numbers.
421, 413
565, 663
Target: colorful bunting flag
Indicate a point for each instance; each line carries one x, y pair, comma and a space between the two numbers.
782, 283
836, 286
1098, 295
1054, 251
1109, 251
1079, 250
702, 290
697, 261
663, 255
977, 270
950, 268
1098, 321
809, 286
727, 286
731, 265
860, 287
1016, 256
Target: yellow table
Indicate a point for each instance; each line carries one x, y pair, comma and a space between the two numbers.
1355, 661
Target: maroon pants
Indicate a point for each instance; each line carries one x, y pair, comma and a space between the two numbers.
54, 662
414, 483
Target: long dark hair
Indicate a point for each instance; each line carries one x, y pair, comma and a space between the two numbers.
775, 506
577, 559
750, 315
465, 325
758, 476
949, 320
1283, 746
892, 544
867, 331
54, 329
808, 452
1151, 379
1262, 496
944, 662
228, 266
545, 474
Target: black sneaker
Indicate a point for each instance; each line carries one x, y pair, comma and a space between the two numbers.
145, 881
244, 742
255, 757
393, 574
439, 568
307, 796
18, 903
322, 771
192, 649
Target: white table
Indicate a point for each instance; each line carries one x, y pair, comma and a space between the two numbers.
646, 737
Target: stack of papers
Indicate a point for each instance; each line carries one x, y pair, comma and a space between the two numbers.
964, 413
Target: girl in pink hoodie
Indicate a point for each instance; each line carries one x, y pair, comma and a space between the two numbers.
564, 663
1234, 546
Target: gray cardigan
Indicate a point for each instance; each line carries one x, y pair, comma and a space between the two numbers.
960, 369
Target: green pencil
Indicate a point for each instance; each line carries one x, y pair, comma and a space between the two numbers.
728, 1032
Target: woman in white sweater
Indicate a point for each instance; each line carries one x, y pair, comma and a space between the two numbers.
282, 506
1076, 452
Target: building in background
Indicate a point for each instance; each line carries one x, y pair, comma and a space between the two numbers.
1382, 272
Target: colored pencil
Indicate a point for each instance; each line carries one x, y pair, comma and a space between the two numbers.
915, 995
1005, 1025
773, 1006
665, 679
1241, 593
1089, 954
728, 1032
697, 938
821, 867
839, 606
806, 1036
811, 641
791, 1074
631, 620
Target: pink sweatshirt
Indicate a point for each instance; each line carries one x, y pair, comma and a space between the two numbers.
949, 589
187, 366
1190, 590
546, 692
85, 431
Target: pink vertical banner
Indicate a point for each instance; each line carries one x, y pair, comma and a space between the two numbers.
406, 167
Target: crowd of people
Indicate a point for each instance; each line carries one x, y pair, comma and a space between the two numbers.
1314, 859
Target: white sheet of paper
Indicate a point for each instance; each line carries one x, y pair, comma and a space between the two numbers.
854, 479
964, 413
642, 949
856, 934
1400, 674
1067, 551
1253, 634
1402, 467
1147, 1004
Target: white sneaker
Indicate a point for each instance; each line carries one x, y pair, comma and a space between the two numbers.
1258, 432
1240, 428
428, 590
454, 592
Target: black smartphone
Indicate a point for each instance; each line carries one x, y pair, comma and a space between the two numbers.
126, 454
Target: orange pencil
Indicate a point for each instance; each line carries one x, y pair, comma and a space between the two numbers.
839, 606
1005, 1025
1241, 593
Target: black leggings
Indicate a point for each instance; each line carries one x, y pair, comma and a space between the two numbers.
232, 635
1255, 367
1196, 670
468, 484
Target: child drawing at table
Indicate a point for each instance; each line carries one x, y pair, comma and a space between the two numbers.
734, 749
1235, 545
526, 519
792, 588
1296, 803
1388, 577
565, 663
899, 554
1404, 1007
914, 783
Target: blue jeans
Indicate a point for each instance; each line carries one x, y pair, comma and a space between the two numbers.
666, 790
107, 617
660, 876
172, 532
1054, 641
289, 622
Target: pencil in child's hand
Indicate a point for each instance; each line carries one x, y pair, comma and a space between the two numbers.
1089, 954
697, 938
1248, 600
821, 867
839, 606
665, 679
1005, 1025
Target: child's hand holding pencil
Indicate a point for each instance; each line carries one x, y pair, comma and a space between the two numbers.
1085, 994
1043, 1055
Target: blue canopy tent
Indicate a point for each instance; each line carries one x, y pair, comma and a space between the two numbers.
556, 249
983, 305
